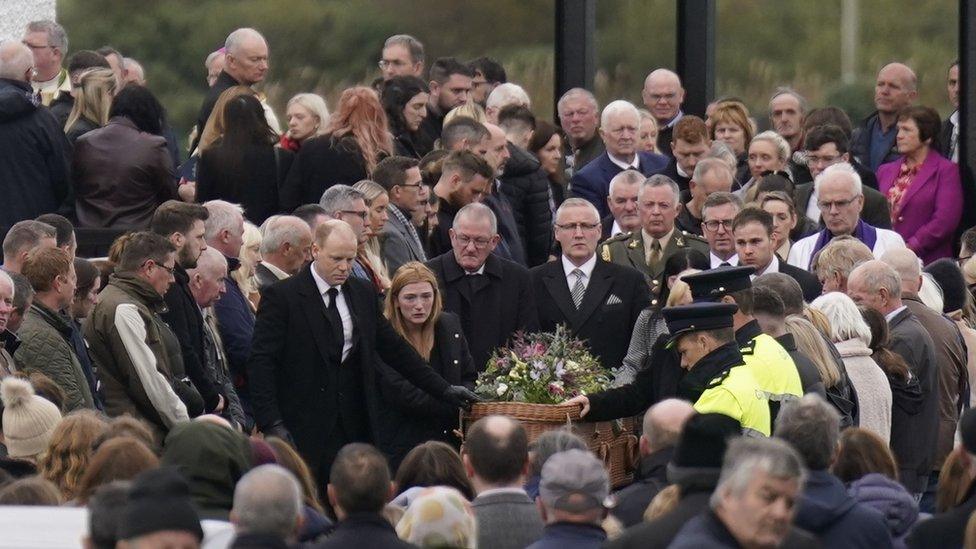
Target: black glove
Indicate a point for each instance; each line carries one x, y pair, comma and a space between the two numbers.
460, 396
278, 430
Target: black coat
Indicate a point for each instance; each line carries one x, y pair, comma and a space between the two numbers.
656, 380
184, 318
410, 416
34, 157
526, 186
248, 176
809, 283
511, 246
321, 163
614, 298
809, 375
492, 307
223, 83
945, 529
671, 170
914, 431
295, 379
650, 478
660, 532
874, 213
365, 531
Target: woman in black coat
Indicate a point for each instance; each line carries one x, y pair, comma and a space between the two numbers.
244, 166
411, 416
404, 99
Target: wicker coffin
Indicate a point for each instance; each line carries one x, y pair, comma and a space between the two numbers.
614, 442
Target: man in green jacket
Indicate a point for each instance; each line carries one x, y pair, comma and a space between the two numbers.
45, 347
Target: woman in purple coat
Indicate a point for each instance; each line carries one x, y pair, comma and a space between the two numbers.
922, 187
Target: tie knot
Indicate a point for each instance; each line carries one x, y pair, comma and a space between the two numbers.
333, 292
655, 244
578, 273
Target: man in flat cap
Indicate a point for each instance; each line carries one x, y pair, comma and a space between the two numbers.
717, 379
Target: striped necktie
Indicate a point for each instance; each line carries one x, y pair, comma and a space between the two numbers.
578, 289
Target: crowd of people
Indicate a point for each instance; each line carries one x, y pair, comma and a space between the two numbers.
275, 348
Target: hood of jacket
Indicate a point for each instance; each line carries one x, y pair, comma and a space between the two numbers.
17, 99
889, 498
824, 501
520, 163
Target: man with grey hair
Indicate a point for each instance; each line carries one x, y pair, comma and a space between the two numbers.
755, 500
286, 246
812, 428
598, 301
662, 424
403, 55
711, 175
134, 73
619, 129
504, 95
787, 109
873, 143
348, 204
34, 152
267, 509
648, 249
8, 339
622, 202
48, 42
492, 296
841, 200
23, 238
245, 64
214, 63
663, 96
950, 353
876, 285
579, 117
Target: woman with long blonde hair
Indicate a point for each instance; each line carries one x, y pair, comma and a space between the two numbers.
250, 256
377, 199
357, 138
410, 416
93, 101
70, 450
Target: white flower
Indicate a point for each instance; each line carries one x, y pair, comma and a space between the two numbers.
502, 389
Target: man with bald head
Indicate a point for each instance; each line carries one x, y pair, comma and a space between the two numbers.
914, 431
950, 352
245, 64
873, 142
663, 96
34, 153
316, 341
663, 423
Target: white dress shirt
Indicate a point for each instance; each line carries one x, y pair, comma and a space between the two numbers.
480, 271
615, 230
894, 313
587, 269
813, 209
773, 267
716, 260
341, 305
281, 275
634, 165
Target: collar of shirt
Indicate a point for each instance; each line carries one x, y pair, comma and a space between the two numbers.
504, 490
681, 172
480, 271
773, 267
716, 260
634, 165
321, 284
894, 313
664, 240
615, 230
675, 120
587, 269
813, 210
954, 118
281, 275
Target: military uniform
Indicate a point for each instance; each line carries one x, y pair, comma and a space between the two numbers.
628, 249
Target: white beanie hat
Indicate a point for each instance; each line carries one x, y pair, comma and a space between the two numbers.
28, 420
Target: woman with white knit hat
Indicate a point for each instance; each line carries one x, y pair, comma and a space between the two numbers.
28, 420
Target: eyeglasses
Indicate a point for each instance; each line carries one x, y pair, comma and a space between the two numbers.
839, 204
169, 270
395, 63
822, 160
36, 47
362, 215
418, 185
479, 243
714, 224
654, 97
573, 227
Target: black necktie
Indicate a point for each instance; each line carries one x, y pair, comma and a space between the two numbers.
725, 264
332, 312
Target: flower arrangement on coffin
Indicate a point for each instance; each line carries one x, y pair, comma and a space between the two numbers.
542, 368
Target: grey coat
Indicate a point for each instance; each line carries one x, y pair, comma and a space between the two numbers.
507, 520
398, 246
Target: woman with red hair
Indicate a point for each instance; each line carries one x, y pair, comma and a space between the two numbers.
357, 138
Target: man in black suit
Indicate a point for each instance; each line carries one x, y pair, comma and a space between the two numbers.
826, 146
663, 96
949, 136
313, 360
689, 144
752, 231
598, 301
285, 248
914, 431
493, 296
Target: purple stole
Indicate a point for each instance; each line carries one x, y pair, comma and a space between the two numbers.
863, 232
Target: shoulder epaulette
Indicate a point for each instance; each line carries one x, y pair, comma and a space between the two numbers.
748, 348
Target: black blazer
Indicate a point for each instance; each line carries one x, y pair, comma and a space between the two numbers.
671, 170
614, 298
410, 416
809, 283
294, 378
321, 163
249, 177
264, 277
492, 307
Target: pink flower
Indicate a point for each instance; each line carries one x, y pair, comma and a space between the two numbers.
556, 389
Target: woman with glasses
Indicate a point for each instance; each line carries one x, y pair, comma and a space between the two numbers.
404, 99
414, 307
923, 189
93, 101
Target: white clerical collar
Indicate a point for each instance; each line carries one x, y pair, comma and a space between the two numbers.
321, 284
717, 261
773, 267
587, 267
634, 165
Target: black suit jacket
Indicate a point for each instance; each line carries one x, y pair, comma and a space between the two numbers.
671, 170
874, 213
264, 276
493, 307
294, 377
809, 283
184, 318
614, 298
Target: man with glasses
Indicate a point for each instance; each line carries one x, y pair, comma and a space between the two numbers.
825, 146
598, 301
403, 55
48, 43
619, 128
465, 178
492, 296
401, 242
718, 213
710, 176
347, 204
129, 340
663, 96
840, 197
488, 75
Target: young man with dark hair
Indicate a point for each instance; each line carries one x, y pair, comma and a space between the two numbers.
64, 232
401, 242
488, 74
450, 84
465, 178
752, 232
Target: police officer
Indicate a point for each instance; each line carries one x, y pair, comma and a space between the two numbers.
770, 364
649, 248
717, 378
